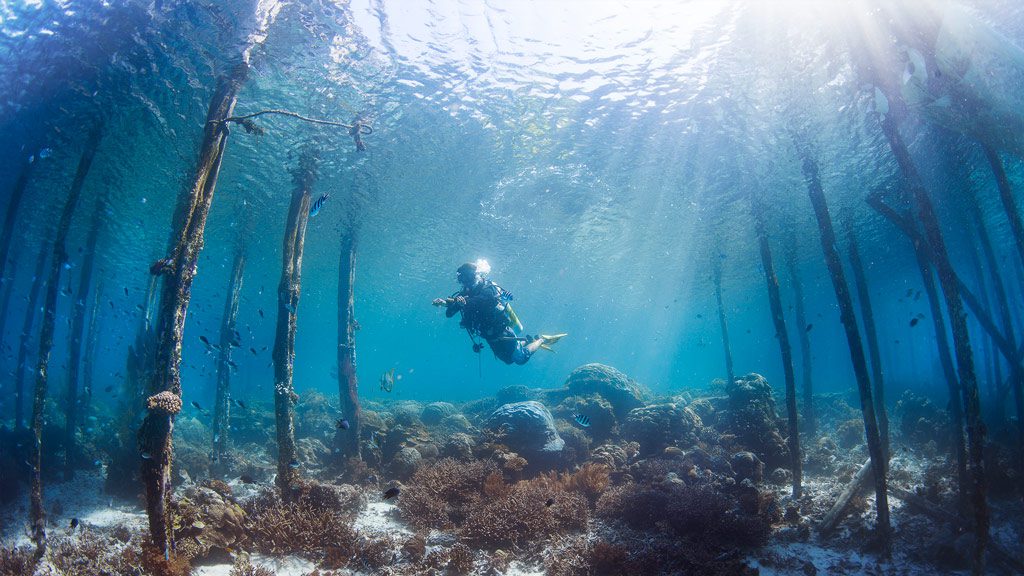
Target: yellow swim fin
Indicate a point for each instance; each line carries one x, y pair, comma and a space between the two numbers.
549, 339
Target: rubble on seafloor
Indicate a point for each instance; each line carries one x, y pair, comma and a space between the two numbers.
516, 485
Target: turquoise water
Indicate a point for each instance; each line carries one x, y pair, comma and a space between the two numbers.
598, 155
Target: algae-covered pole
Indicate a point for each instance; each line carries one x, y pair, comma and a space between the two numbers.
11, 217
91, 340
348, 383
775, 301
961, 338
860, 281
229, 339
77, 336
803, 330
288, 291
38, 281
178, 271
923, 258
1009, 202
60, 257
876, 452
716, 267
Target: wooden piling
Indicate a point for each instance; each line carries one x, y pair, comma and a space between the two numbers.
57, 262
178, 271
6, 233
804, 338
228, 341
1007, 198
288, 292
38, 281
961, 337
723, 323
829, 247
860, 281
779, 320
348, 383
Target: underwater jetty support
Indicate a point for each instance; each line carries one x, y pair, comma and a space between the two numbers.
91, 340
923, 257
860, 281
348, 383
39, 280
13, 205
178, 270
228, 341
803, 337
716, 271
60, 257
1006, 196
288, 291
76, 341
779, 319
961, 338
876, 450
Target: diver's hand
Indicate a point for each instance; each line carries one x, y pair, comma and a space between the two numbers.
440, 302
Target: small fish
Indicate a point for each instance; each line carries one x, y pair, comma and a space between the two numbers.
343, 424
253, 350
315, 209
909, 293
196, 406
125, 290
246, 479
204, 340
391, 492
700, 315
582, 420
240, 404
917, 296
914, 321
260, 312
213, 456
550, 502
387, 381
145, 455
45, 153
98, 463
74, 523
294, 463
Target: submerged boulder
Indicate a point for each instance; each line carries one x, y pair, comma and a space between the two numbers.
657, 426
435, 412
528, 428
752, 419
621, 391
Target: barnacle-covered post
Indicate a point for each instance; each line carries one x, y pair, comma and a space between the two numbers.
775, 302
228, 341
178, 270
38, 281
1006, 196
961, 338
876, 451
924, 266
10, 218
288, 291
804, 338
76, 337
860, 281
60, 257
348, 440
716, 272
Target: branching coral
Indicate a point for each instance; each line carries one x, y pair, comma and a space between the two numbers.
441, 495
305, 526
16, 561
244, 567
460, 559
532, 511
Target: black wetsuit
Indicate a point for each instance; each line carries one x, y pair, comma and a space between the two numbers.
484, 315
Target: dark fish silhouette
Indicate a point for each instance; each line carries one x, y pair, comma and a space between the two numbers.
294, 463
809, 326
197, 406
387, 381
240, 404
246, 479
315, 209
125, 290
582, 420
343, 424
74, 523
914, 321
253, 350
391, 492
204, 340
261, 312
550, 502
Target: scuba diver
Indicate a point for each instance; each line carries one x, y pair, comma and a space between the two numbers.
486, 313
